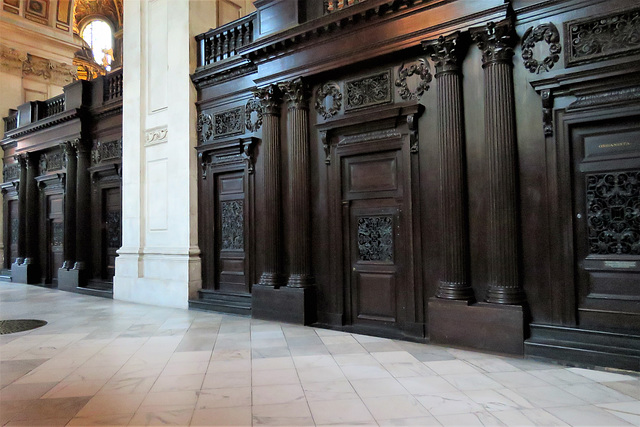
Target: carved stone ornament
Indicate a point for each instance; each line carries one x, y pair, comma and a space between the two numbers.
547, 33
204, 127
422, 70
156, 136
496, 41
295, 93
368, 91
19, 63
328, 89
602, 37
446, 52
253, 106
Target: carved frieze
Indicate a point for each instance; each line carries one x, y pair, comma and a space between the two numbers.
11, 172
20, 63
543, 32
232, 219
204, 127
51, 161
496, 41
109, 150
328, 100
613, 213
368, 91
225, 123
422, 71
602, 37
375, 238
370, 136
606, 98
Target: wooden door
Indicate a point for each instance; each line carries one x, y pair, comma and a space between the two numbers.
606, 175
231, 269
375, 239
111, 230
55, 236
14, 227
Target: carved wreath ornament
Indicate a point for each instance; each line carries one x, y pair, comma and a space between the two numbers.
205, 126
328, 89
253, 105
421, 69
548, 33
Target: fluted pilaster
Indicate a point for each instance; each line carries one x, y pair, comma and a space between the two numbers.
447, 53
22, 209
297, 97
32, 205
270, 101
496, 42
83, 225
69, 205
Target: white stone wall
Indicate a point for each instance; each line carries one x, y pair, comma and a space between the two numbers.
159, 261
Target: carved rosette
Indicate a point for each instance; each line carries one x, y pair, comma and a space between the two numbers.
496, 41
547, 33
422, 70
332, 90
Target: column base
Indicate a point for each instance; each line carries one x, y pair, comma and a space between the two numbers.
455, 291
25, 273
285, 304
300, 281
483, 326
70, 280
274, 280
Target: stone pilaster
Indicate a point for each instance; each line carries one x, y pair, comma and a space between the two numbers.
446, 54
496, 41
270, 100
83, 217
69, 205
297, 97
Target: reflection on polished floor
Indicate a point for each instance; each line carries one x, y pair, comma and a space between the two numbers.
100, 361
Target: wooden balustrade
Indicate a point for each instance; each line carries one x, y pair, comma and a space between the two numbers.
225, 41
334, 5
112, 86
51, 107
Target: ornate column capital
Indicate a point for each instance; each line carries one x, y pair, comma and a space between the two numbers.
296, 93
80, 147
21, 159
447, 52
270, 98
496, 41
31, 161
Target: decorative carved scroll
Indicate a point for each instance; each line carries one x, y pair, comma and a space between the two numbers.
368, 91
328, 89
156, 136
326, 147
375, 238
229, 122
613, 213
204, 127
253, 106
232, 219
547, 112
412, 122
420, 69
602, 37
547, 33
204, 160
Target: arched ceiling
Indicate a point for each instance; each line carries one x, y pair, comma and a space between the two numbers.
111, 9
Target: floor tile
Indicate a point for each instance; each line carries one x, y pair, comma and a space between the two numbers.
224, 398
587, 416
346, 411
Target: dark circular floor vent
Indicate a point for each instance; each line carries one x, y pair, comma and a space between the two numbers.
19, 325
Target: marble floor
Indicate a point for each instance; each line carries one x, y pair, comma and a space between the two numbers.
104, 362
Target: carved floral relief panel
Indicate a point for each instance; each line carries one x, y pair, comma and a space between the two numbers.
57, 233
230, 122
114, 234
368, 91
613, 213
375, 238
232, 218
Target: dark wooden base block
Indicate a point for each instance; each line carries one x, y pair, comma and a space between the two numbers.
70, 280
584, 347
285, 304
25, 273
481, 326
209, 300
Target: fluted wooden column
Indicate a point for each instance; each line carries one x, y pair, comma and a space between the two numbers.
496, 42
33, 206
296, 95
270, 100
83, 217
69, 205
447, 53
22, 209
